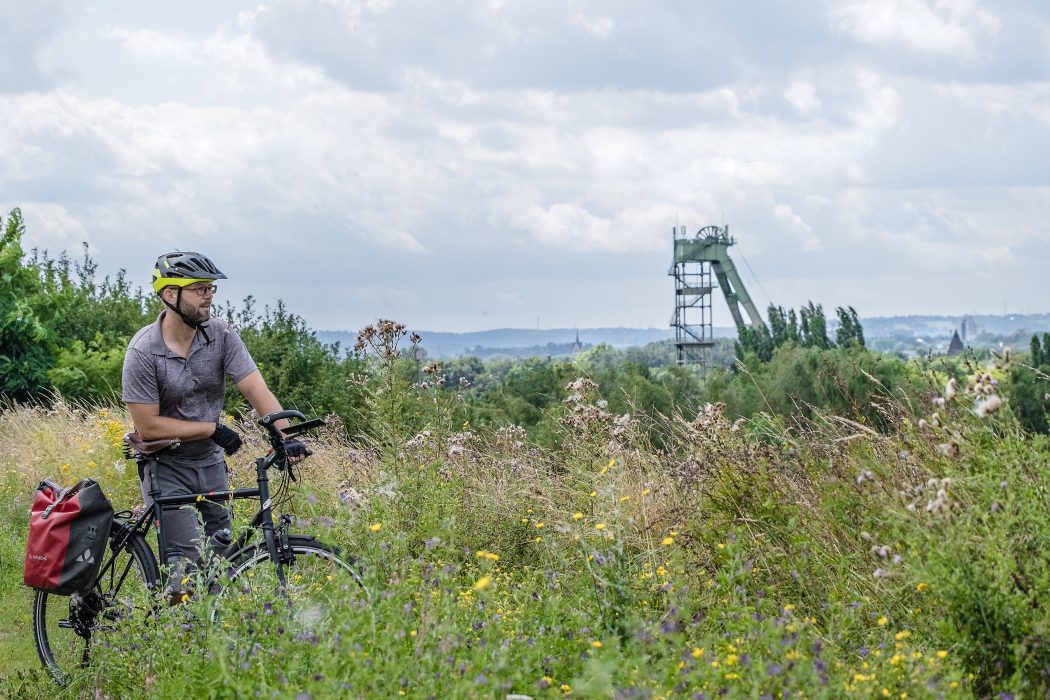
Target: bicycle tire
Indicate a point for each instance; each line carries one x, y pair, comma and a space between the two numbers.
317, 580
65, 627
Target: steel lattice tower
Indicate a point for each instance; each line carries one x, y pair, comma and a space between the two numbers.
696, 258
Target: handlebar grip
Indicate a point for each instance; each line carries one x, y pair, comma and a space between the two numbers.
269, 419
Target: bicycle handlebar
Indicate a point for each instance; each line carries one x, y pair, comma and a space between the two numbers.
278, 435
269, 419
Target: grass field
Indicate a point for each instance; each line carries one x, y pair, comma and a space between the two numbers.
746, 559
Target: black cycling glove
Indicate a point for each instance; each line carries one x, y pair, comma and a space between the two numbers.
225, 438
295, 448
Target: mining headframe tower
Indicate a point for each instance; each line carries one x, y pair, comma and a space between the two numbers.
696, 258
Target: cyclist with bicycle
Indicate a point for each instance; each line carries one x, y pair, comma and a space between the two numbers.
174, 379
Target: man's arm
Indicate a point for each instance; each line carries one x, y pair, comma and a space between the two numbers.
153, 426
253, 388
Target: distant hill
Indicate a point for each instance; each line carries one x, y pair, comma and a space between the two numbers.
444, 344
518, 341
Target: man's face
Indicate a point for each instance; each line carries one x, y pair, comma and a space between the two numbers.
196, 300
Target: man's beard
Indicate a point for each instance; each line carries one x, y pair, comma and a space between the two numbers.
196, 317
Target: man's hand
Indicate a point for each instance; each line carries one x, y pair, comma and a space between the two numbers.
225, 438
296, 450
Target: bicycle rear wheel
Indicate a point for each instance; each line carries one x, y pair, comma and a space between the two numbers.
318, 583
67, 627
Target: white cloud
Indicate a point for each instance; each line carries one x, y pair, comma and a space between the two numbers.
803, 98
797, 226
599, 27
52, 227
953, 28
392, 129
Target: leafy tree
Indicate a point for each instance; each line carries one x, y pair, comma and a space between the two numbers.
27, 345
783, 326
814, 327
1037, 353
755, 340
302, 372
849, 333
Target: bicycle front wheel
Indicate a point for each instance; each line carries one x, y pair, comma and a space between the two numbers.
318, 583
66, 628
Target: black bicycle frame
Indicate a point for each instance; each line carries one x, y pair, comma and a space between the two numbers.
263, 519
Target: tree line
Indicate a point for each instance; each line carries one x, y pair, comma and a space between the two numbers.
64, 331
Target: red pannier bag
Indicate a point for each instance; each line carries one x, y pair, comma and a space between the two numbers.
68, 530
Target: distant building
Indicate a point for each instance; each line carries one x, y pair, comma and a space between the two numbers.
956, 346
577, 347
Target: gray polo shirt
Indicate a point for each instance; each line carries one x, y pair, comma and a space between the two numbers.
190, 388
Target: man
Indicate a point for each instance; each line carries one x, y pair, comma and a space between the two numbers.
174, 383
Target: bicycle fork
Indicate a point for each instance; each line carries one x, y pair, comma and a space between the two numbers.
269, 532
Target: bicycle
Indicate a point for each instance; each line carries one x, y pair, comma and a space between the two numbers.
129, 580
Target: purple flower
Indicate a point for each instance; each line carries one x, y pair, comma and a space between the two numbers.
863, 651
774, 670
481, 680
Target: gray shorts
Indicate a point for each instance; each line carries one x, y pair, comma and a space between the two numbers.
182, 532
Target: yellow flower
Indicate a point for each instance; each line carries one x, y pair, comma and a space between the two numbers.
482, 554
412, 633
624, 499
668, 540
592, 494
599, 526
904, 634
721, 545
577, 516
697, 652
483, 583
881, 622
375, 527
596, 644
539, 525
920, 587
566, 688
942, 654
646, 492
731, 659
538, 539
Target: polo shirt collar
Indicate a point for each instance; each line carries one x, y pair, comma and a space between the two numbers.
159, 347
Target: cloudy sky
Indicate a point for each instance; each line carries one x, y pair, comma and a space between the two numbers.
469, 164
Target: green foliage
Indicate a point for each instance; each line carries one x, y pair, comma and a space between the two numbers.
26, 340
796, 380
849, 333
88, 372
1029, 388
808, 329
814, 327
304, 373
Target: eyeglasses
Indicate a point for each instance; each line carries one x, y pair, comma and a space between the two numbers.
203, 289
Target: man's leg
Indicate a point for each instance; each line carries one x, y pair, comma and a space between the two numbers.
216, 516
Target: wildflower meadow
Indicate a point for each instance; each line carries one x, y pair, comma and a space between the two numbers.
742, 557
